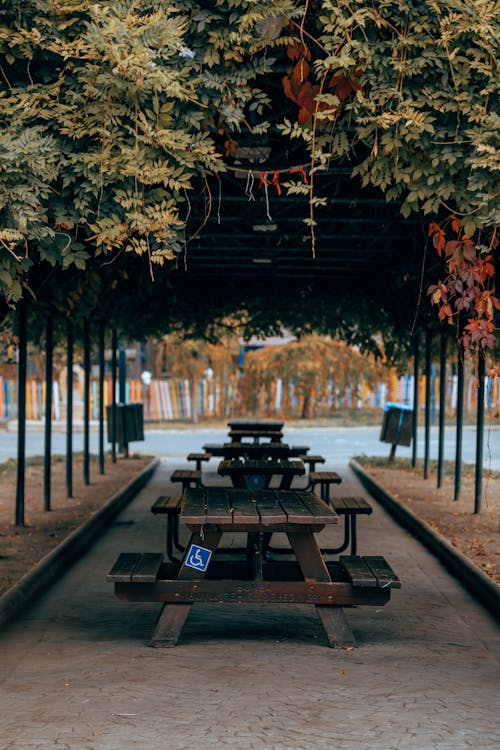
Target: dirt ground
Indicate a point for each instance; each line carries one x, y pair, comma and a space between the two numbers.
21, 547
476, 535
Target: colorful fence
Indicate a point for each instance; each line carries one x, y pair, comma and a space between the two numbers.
176, 399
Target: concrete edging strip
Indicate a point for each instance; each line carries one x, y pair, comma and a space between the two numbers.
477, 582
50, 566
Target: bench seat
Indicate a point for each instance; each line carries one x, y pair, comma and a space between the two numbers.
199, 458
187, 477
370, 571
324, 479
170, 505
136, 567
355, 581
312, 460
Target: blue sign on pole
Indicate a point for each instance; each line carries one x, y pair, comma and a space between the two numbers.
198, 557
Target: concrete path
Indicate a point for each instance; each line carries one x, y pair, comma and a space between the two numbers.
75, 671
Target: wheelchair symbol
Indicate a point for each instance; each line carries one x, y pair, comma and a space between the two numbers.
198, 557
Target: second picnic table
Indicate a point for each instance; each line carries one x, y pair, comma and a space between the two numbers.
241, 471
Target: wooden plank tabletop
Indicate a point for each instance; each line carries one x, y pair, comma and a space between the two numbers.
255, 424
240, 507
261, 466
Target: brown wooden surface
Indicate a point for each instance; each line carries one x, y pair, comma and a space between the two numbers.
212, 511
339, 593
237, 435
254, 451
166, 504
238, 469
173, 616
255, 424
245, 510
347, 505
358, 571
325, 476
386, 577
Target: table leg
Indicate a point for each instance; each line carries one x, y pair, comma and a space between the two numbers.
314, 568
173, 616
254, 555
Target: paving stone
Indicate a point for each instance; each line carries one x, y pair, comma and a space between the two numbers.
76, 673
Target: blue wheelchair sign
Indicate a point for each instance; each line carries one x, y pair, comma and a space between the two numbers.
198, 557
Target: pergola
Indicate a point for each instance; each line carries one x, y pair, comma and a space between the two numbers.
350, 263
250, 246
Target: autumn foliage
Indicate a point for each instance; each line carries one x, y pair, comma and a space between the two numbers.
312, 368
466, 296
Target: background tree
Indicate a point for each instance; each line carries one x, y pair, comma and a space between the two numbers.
314, 367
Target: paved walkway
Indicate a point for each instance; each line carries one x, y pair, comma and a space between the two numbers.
75, 672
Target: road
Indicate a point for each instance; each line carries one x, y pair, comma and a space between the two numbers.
337, 444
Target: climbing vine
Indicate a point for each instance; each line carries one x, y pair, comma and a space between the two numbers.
112, 113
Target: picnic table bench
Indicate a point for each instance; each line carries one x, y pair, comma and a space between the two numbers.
199, 458
186, 477
203, 576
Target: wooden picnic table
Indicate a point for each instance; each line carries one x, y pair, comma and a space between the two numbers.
204, 576
254, 450
210, 512
255, 424
237, 434
243, 471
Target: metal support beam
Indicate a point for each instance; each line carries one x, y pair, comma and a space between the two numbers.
460, 423
481, 372
442, 406
416, 368
69, 409
86, 401
113, 395
101, 397
428, 377
49, 384
21, 410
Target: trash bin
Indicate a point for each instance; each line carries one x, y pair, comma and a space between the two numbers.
397, 427
129, 423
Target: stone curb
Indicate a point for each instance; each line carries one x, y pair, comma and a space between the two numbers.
79, 541
472, 577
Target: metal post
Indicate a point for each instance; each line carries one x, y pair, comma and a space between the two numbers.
113, 395
21, 411
428, 342
416, 367
69, 410
481, 372
122, 396
47, 466
442, 406
86, 401
101, 397
122, 375
460, 423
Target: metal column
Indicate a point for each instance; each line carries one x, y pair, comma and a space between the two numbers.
21, 411
481, 372
101, 397
460, 423
416, 367
442, 406
86, 401
47, 464
428, 343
